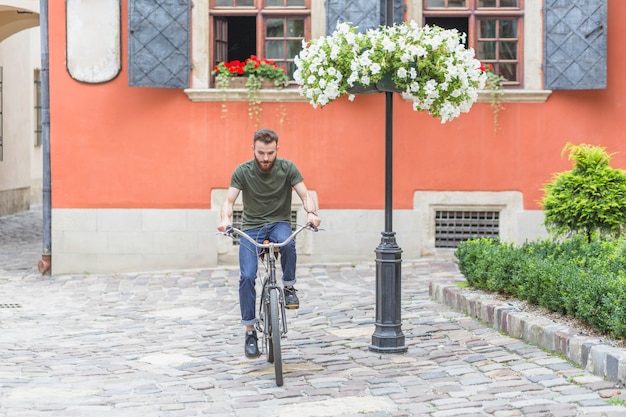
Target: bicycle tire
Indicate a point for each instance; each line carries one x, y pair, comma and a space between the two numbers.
275, 337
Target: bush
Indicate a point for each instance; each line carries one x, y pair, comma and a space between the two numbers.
589, 200
585, 280
489, 262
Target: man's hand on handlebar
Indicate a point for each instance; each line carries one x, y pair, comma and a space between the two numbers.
313, 220
224, 226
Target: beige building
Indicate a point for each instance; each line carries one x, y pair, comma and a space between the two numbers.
20, 115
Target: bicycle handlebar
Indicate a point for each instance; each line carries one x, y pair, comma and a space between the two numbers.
231, 229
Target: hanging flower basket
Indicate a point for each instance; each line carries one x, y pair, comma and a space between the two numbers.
428, 65
385, 84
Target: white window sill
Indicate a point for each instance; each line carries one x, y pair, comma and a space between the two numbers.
240, 94
517, 96
292, 95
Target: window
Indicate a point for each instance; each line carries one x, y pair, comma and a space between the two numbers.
269, 29
38, 124
494, 29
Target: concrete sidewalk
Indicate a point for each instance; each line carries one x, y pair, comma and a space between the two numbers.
170, 344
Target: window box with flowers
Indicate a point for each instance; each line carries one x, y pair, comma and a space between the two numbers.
252, 75
429, 65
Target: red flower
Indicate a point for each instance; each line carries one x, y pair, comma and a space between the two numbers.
485, 68
252, 66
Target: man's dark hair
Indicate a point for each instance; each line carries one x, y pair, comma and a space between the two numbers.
266, 136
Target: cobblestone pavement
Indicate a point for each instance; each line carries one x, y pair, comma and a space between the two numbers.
170, 344
20, 243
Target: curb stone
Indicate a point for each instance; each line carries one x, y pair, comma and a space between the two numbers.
589, 353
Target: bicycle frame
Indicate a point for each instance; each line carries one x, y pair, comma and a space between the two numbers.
269, 283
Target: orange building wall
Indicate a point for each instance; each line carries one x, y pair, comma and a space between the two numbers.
115, 146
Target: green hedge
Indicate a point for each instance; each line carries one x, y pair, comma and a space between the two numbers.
584, 280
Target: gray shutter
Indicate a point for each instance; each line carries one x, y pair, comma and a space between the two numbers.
575, 44
158, 43
362, 13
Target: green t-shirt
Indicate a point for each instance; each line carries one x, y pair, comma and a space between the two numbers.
266, 197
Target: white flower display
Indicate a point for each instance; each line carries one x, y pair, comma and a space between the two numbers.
428, 65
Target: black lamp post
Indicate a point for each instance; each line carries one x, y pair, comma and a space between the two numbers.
388, 336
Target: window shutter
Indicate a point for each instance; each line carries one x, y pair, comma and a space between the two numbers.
575, 44
158, 43
362, 13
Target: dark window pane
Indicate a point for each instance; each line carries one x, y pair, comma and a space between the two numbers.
233, 3
456, 3
508, 70
241, 37
508, 28
487, 29
436, 3
283, 3
486, 3
295, 28
459, 23
274, 49
509, 3
508, 50
275, 28
293, 48
486, 50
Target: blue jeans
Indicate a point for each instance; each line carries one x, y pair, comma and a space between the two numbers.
248, 264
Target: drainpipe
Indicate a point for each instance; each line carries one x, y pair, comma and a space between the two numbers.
46, 257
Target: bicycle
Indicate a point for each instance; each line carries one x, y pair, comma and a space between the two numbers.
272, 321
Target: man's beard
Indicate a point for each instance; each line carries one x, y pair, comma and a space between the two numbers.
264, 166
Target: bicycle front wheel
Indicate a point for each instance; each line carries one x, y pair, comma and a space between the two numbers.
274, 347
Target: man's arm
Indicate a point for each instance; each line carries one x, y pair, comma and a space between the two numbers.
308, 203
226, 211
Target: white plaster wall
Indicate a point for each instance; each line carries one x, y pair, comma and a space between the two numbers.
36, 153
21, 165
131, 240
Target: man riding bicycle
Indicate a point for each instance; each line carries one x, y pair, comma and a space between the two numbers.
265, 183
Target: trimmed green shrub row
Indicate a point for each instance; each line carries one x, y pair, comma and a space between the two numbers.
583, 279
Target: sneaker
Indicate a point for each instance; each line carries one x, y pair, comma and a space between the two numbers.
251, 348
291, 299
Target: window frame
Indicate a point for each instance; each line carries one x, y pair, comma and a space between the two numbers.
262, 13
38, 108
475, 15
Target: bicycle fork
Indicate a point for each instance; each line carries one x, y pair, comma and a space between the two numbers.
272, 285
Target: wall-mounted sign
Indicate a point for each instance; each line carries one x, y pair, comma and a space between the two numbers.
93, 40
